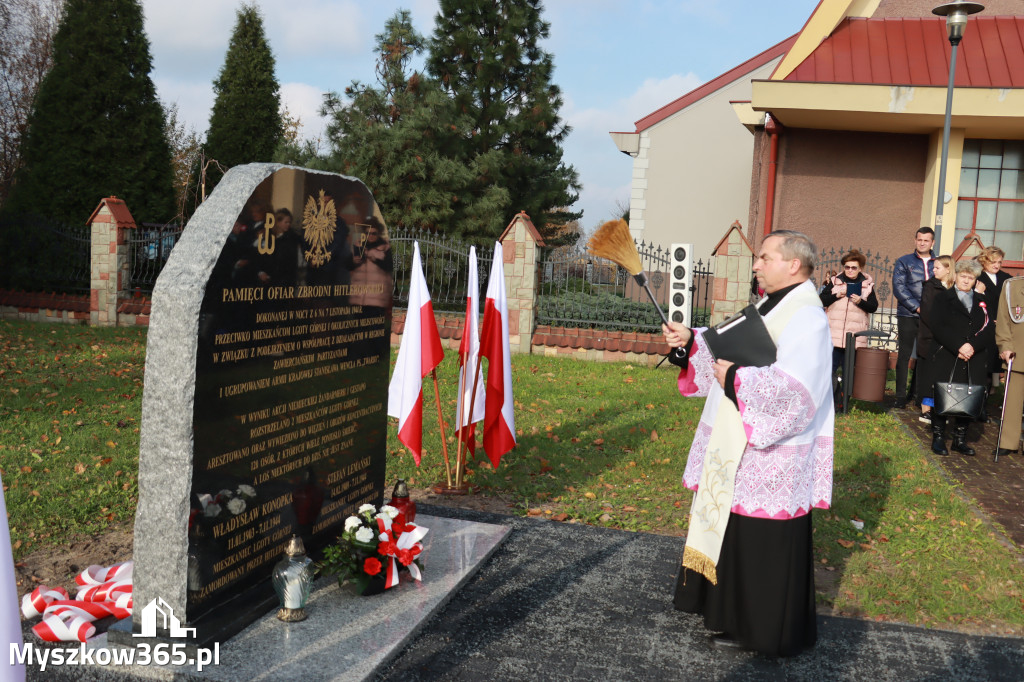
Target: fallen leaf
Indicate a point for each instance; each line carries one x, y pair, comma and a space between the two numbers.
845, 543
79, 468
654, 434
599, 441
535, 512
629, 508
26, 470
560, 517
590, 496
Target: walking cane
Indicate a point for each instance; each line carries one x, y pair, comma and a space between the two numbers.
999, 438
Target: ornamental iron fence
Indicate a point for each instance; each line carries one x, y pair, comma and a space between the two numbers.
445, 263
42, 254
149, 246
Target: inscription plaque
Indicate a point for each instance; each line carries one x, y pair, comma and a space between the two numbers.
290, 342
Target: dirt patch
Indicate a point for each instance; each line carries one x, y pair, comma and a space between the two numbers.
58, 565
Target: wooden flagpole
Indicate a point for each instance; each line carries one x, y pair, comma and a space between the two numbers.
440, 424
458, 418
472, 401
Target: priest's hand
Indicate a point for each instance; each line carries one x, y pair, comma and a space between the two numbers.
1007, 355
677, 335
721, 368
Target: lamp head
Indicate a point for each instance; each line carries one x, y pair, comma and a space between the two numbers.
956, 14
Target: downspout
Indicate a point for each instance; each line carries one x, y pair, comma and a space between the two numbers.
774, 130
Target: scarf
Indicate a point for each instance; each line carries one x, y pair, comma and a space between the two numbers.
712, 504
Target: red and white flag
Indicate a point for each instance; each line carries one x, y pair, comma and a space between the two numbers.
469, 358
419, 353
499, 418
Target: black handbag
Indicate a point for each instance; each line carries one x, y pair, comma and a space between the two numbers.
953, 399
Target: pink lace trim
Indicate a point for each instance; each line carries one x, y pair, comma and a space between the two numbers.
775, 482
773, 404
697, 378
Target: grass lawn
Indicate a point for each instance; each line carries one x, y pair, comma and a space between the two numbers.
602, 444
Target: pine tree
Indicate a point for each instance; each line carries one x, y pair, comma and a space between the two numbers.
487, 56
245, 125
96, 128
401, 137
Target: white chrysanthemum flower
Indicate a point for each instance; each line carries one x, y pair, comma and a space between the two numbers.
212, 510
226, 494
389, 510
236, 506
352, 523
364, 535
246, 490
367, 508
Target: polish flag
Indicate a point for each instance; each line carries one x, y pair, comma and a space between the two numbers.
499, 419
419, 353
469, 358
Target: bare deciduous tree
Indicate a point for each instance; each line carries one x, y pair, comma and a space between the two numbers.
27, 28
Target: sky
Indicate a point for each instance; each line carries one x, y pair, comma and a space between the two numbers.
615, 61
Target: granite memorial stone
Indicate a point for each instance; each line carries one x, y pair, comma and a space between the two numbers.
264, 408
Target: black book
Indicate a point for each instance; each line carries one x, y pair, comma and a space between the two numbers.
853, 288
742, 339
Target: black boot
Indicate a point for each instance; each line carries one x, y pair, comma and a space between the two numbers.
938, 434
960, 439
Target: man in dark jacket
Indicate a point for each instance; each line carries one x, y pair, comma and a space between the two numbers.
908, 277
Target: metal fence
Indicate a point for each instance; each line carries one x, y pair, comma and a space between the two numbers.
880, 269
41, 254
148, 249
445, 267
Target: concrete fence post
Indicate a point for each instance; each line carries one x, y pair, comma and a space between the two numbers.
521, 243
109, 225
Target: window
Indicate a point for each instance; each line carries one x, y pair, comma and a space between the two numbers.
992, 195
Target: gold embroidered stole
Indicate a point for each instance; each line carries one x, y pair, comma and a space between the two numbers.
709, 514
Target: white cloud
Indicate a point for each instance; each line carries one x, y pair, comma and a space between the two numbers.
317, 27
194, 100
653, 94
303, 102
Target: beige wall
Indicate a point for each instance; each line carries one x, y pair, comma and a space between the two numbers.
691, 177
851, 188
923, 8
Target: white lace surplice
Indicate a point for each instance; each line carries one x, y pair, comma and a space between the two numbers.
788, 418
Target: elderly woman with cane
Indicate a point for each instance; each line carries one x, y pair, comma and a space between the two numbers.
963, 335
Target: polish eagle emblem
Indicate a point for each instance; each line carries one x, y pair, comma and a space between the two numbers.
318, 224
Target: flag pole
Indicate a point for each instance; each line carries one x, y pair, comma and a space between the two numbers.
472, 401
458, 418
440, 424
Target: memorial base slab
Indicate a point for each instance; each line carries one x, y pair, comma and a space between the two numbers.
345, 637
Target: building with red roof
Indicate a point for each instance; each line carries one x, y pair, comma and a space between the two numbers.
847, 130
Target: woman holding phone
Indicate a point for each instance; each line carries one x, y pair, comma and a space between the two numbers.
849, 299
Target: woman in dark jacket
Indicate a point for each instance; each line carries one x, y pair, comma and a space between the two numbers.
990, 283
942, 280
962, 338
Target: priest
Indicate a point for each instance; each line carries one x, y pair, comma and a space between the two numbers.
760, 461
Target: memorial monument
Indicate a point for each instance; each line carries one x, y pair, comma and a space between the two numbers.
264, 409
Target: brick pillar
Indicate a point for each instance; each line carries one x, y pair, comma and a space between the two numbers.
520, 243
734, 258
109, 224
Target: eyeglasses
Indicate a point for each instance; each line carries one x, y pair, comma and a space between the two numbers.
851, 267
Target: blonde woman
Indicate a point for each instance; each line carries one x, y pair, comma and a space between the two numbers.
942, 280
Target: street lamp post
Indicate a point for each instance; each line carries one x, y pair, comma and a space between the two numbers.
956, 14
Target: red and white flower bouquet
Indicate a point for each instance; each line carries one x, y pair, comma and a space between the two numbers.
373, 548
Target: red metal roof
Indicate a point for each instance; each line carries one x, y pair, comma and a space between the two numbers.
711, 86
916, 51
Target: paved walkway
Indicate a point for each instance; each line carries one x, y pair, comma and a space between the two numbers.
997, 487
573, 602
